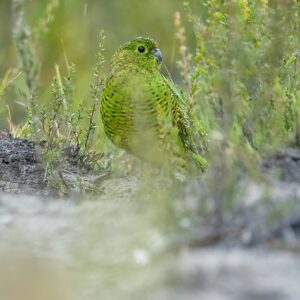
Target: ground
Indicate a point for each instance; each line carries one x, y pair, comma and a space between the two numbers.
20, 167
111, 248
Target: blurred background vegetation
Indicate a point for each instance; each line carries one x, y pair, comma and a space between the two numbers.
74, 30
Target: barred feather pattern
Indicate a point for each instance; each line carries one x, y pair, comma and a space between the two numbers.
143, 113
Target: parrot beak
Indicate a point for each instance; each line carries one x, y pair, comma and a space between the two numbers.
158, 55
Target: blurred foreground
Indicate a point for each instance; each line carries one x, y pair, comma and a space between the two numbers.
105, 249
148, 240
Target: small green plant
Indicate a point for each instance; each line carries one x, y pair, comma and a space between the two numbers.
64, 129
68, 130
241, 83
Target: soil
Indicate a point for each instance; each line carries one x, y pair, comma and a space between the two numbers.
286, 163
21, 170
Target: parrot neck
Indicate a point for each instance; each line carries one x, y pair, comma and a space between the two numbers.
123, 61
132, 68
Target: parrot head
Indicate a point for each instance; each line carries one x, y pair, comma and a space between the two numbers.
142, 52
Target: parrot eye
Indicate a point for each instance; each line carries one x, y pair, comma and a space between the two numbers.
141, 49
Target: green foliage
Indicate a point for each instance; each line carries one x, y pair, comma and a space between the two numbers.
243, 83
9, 77
64, 128
244, 75
29, 64
46, 19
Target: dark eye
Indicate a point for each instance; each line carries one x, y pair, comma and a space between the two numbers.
141, 49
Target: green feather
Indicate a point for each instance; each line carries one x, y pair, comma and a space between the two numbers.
142, 111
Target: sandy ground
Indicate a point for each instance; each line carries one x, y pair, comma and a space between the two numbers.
77, 251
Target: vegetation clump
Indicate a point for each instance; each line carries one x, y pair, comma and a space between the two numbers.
238, 63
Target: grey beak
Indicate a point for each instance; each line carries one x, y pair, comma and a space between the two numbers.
158, 55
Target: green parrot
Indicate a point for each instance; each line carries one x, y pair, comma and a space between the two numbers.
143, 113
